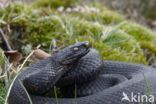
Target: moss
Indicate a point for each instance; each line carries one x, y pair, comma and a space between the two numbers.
2, 94
33, 26
107, 16
139, 32
55, 3
110, 17
104, 17
144, 36
39, 28
121, 40
108, 52
149, 45
14, 11
43, 29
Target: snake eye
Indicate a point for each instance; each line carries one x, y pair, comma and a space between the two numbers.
76, 49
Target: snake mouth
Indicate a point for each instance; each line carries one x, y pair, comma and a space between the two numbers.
83, 53
76, 56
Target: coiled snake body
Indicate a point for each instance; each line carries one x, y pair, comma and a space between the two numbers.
84, 79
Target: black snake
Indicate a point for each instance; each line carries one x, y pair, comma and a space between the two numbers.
83, 78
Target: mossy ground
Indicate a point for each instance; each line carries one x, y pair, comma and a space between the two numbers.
110, 33
2, 94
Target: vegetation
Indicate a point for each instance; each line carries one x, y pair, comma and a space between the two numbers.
68, 22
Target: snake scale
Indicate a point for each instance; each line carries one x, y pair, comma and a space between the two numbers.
83, 78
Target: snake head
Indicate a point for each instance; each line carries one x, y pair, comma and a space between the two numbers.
72, 53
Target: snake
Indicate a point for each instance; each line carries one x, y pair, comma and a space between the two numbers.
84, 78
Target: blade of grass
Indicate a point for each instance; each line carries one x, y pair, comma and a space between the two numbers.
26, 59
55, 92
8, 93
6, 78
26, 92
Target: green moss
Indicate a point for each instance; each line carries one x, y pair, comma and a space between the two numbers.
144, 36
122, 40
108, 17
149, 45
139, 32
55, 3
14, 10
104, 17
2, 94
39, 28
108, 52
43, 29
118, 55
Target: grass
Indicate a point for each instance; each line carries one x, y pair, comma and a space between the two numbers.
109, 32
30, 101
56, 97
2, 94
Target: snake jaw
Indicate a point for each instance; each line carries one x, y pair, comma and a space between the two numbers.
74, 58
73, 53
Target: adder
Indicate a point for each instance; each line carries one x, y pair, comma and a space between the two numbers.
83, 78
